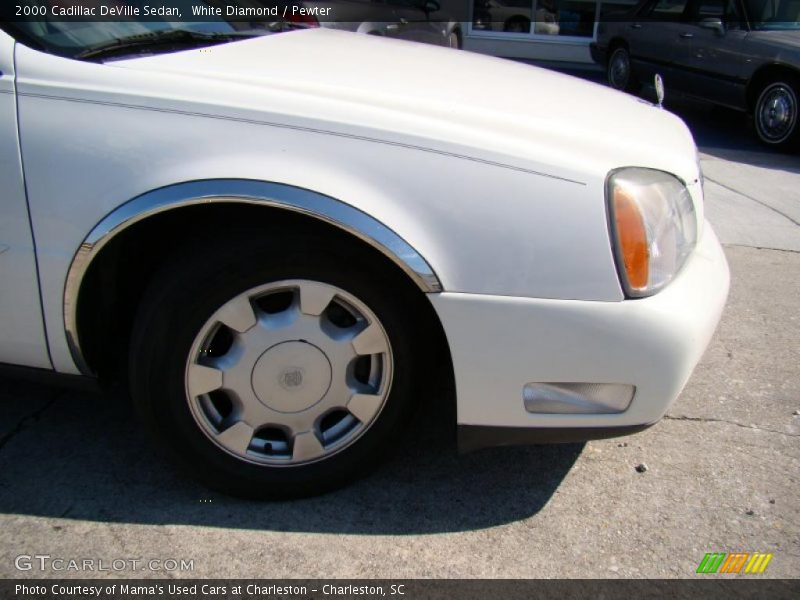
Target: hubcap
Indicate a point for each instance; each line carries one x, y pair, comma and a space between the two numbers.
619, 71
777, 113
289, 373
291, 377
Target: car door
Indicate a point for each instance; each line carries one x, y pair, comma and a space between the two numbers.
615, 22
711, 58
22, 338
658, 41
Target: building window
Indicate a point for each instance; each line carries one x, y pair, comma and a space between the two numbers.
568, 18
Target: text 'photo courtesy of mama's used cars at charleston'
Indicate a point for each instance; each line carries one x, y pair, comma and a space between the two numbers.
743, 54
280, 243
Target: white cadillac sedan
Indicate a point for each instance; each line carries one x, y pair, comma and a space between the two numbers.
279, 243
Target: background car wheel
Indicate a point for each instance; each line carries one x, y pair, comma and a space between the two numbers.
775, 115
275, 367
619, 71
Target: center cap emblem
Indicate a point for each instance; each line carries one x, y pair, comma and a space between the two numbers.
291, 378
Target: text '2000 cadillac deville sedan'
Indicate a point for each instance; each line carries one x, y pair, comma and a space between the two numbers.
280, 243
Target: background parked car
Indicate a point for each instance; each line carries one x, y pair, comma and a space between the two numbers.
743, 54
412, 20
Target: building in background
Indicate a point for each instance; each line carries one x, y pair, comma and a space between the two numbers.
541, 30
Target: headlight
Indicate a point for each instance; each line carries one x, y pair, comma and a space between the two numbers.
653, 226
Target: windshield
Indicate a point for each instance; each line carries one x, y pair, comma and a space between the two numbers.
774, 14
74, 38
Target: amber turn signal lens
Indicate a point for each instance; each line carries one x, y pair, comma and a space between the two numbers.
632, 239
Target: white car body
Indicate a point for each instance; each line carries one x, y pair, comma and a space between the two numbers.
489, 183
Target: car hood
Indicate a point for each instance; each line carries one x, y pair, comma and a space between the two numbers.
424, 96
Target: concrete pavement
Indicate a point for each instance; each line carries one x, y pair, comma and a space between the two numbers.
752, 195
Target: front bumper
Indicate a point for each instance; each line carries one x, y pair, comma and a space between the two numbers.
499, 344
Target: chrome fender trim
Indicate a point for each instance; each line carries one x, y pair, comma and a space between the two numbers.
318, 206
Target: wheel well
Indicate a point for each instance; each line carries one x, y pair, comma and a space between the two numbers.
114, 283
764, 75
616, 43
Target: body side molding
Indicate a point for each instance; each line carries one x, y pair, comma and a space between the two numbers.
299, 200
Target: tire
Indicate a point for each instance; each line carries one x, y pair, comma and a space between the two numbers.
264, 433
619, 71
775, 114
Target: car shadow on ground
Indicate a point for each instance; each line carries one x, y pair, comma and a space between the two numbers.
83, 456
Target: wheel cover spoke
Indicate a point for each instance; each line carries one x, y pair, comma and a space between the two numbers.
371, 340
202, 379
238, 315
291, 382
315, 298
364, 406
238, 436
306, 447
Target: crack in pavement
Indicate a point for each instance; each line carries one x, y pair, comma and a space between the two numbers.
756, 200
25, 421
762, 248
742, 425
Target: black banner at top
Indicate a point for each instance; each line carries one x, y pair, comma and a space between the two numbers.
504, 19
503, 13
240, 11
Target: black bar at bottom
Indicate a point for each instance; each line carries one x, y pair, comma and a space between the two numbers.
705, 586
